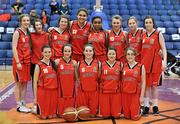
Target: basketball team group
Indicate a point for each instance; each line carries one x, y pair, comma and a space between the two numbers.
110, 73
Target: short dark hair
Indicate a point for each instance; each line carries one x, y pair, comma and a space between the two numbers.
82, 9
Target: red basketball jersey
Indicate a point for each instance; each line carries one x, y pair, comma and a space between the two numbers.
66, 78
79, 36
131, 78
98, 40
119, 42
58, 40
23, 48
110, 77
38, 41
88, 75
135, 40
47, 77
150, 57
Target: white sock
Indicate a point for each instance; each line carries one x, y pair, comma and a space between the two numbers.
154, 102
146, 102
19, 104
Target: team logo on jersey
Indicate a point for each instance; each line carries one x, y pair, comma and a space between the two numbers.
151, 41
55, 37
135, 73
101, 35
117, 71
105, 71
66, 37
94, 69
83, 69
61, 67
124, 72
45, 70
74, 31
122, 39
112, 38
23, 40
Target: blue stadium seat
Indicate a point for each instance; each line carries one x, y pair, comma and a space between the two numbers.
7, 11
123, 12
122, 6
171, 30
3, 24
157, 2
159, 24
178, 12
168, 7
73, 17
29, 6
30, 1
40, 1
173, 52
38, 6
75, 6
14, 18
125, 17
175, 18
47, 1
143, 12
4, 45
3, 53
131, 6
159, 6
167, 37
166, 2
171, 12
1, 11
125, 25
140, 24
6, 37
53, 23
105, 2
138, 17
130, 2
121, 1
162, 12
177, 45
168, 24
113, 2
152, 12
176, 6
141, 7
13, 24
113, 6
86, 2
156, 17
169, 45
46, 6
114, 12
165, 18
134, 12
87, 6
177, 24
55, 17
3, 6
149, 7
148, 2
9, 54
106, 6
139, 1
106, 11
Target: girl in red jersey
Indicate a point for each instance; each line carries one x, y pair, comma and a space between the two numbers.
110, 96
39, 38
134, 37
133, 86
98, 38
59, 37
79, 33
21, 61
45, 86
117, 37
66, 71
153, 43
89, 72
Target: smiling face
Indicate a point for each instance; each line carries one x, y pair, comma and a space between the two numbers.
88, 52
149, 24
47, 53
82, 16
132, 23
38, 26
63, 23
130, 55
97, 23
67, 51
111, 55
25, 22
116, 24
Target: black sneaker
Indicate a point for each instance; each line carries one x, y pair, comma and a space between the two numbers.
155, 110
146, 111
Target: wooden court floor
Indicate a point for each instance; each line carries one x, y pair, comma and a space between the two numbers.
169, 112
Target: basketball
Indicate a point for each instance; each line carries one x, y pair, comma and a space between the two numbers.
83, 112
70, 114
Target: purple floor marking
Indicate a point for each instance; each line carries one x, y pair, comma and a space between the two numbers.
165, 93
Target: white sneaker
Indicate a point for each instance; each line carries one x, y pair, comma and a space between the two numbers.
23, 109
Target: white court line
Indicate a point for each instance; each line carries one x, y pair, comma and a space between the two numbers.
6, 87
7, 94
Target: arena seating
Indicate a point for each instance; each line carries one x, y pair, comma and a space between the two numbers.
165, 12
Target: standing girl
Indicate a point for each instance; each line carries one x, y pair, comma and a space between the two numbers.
153, 43
135, 37
117, 37
79, 33
110, 96
21, 61
89, 72
59, 37
66, 70
45, 86
98, 38
133, 86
